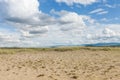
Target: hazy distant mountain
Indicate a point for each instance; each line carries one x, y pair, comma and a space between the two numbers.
96, 45
103, 44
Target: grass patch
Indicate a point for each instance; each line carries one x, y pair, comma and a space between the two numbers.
60, 49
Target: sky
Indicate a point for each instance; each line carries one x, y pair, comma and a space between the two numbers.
44, 23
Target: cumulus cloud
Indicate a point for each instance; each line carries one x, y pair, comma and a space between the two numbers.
108, 33
19, 8
25, 16
72, 21
35, 28
39, 31
83, 2
7, 38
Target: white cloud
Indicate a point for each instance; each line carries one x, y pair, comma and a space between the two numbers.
71, 2
35, 28
108, 33
110, 6
8, 39
115, 27
104, 19
104, 1
103, 12
25, 16
98, 11
19, 8
71, 22
115, 5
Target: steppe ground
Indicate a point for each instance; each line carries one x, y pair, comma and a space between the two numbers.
75, 63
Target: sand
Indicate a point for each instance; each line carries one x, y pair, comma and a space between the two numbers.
54, 65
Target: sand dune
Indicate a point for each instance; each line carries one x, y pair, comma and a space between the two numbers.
56, 65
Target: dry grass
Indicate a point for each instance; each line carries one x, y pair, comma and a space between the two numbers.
60, 49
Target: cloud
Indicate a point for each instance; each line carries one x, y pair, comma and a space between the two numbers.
104, 20
105, 1
98, 11
25, 16
110, 6
35, 28
108, 33
19, 9
32, 27
8, 39
71, 2
72, 22
115, 5
103, 12
39, 31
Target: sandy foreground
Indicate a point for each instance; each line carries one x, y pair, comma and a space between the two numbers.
55, 65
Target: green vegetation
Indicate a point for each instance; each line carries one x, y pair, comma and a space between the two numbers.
60, 49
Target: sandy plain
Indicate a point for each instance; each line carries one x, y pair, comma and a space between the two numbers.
79, 64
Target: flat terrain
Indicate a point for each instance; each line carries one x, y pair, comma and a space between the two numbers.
79, 63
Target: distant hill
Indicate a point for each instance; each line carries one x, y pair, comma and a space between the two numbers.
92, 45
104, 44
71, 45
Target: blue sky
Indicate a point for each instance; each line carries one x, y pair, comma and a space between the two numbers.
40, 23
112, 6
